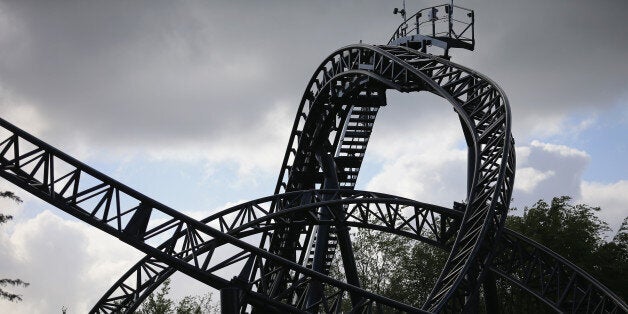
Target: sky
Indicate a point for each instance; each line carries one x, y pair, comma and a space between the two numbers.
192, 102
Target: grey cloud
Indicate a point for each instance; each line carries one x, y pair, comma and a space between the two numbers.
164, 71
131, 73
566, 166
554, 57
65, 262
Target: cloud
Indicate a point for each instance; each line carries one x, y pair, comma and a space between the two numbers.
611, 198
528, 178
134, 78
66, 262
112, 81
562, 150
421, 156
533, 49
546, 170
21, 113
69, 263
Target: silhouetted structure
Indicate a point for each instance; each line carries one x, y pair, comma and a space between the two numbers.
300, 227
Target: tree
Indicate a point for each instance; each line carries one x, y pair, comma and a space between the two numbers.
611, 260
197, 305
10, 282
576, 233
406, 270
573, 231
393, 266
159, 303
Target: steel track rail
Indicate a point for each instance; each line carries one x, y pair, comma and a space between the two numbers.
113, 207
336, 68
485, 114
517, 254
429, 223
33, 167
551, 278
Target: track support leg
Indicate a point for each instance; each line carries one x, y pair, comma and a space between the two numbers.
490, 293
229, 300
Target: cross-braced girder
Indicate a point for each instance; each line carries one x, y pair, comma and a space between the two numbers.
517, 258
124, 213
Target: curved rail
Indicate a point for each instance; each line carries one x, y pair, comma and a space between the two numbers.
566, 289
485, 115
125, 213
428, 223
113, 207
551, 278
355, 66
328, 141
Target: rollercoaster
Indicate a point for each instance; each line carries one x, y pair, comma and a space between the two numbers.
274, 254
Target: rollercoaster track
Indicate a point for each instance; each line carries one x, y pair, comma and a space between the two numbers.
428, 223
517, 258
335, 118
485, 116
351, 74
110, 206
335, 82
551, 278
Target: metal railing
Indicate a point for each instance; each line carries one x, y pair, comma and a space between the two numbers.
441, 22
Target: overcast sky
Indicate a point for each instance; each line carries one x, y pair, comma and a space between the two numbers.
192, 102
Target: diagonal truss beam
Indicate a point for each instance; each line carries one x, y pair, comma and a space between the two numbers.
517, 254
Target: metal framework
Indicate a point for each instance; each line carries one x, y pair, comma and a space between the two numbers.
281, 246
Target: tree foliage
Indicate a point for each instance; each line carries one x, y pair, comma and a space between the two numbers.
573, 231
406, 270
393, 266
159, 302
10, 282
198, 304
576, 233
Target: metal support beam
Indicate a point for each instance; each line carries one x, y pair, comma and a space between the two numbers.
490, 293
330, 172
342, 231
229, 300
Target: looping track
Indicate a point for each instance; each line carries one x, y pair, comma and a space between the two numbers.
345, 80
296, 229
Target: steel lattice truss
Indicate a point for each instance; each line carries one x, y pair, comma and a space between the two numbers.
280, 245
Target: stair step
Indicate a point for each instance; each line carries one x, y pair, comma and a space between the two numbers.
353, 142
359, 127
364, 110
361, 134
362, 119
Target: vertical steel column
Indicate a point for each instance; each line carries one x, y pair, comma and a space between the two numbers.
229, 300
450, 13
490, 293
328, 166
